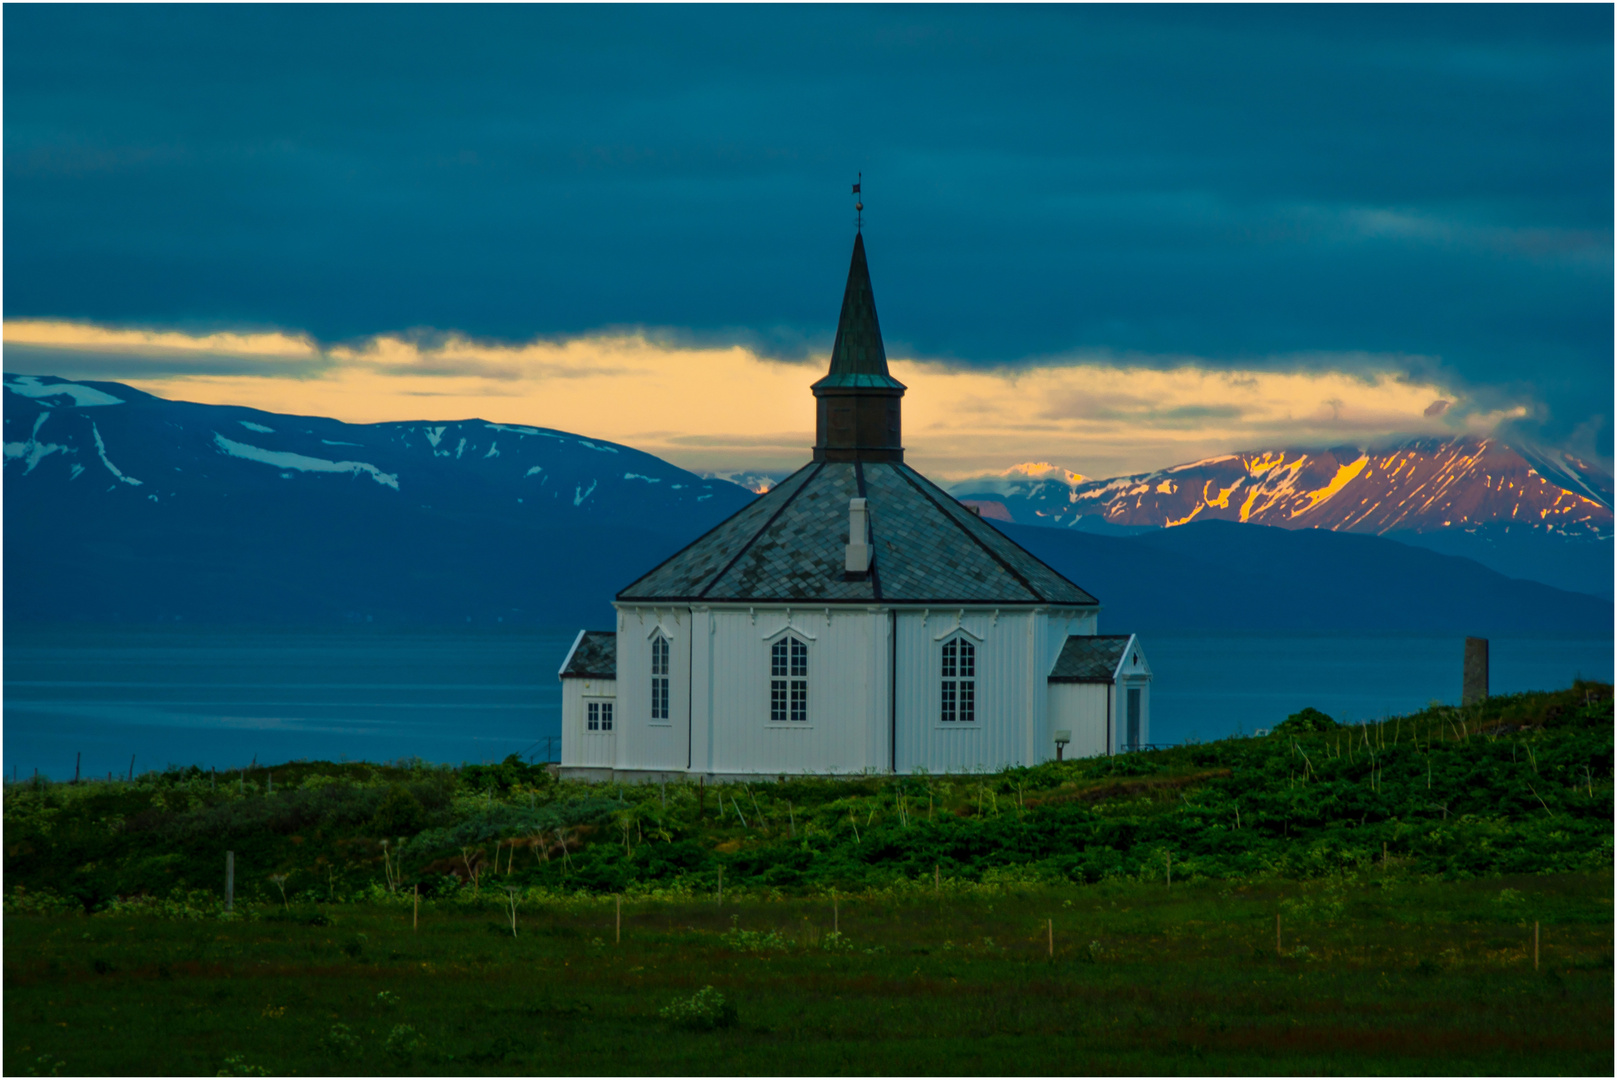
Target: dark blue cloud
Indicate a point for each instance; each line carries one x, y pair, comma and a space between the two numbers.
1237, 183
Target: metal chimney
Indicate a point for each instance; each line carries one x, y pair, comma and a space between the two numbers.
858, 556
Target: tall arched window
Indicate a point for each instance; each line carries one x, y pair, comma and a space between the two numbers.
788, 681
959, 681
659, 677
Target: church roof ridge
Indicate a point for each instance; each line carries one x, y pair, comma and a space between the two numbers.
763, 529
918, 480
787, 547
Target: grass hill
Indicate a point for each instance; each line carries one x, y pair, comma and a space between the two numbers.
1517, 785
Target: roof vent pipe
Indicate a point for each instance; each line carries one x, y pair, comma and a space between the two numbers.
858, 559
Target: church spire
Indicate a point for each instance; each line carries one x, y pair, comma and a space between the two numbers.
858, 401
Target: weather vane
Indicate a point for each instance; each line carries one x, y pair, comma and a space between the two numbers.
859, 204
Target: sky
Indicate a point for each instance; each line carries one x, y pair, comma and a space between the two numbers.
1108, 238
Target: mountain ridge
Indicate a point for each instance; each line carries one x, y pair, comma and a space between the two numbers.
1417, 485
1529, 514
148, 509
122, 506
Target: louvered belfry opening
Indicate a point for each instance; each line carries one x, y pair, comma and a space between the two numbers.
858, 416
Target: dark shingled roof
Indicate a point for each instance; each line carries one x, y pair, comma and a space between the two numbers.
594, 656
787, 546
1091, 658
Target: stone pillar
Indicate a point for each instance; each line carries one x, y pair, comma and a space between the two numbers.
1475, 687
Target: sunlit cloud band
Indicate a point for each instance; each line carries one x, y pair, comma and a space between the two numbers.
728, 409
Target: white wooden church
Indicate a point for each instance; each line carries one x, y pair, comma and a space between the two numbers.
856, 618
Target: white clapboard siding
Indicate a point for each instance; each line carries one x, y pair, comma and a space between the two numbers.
579, 746
719, 692
643, 743
1010, 661
847, 686
1081, 709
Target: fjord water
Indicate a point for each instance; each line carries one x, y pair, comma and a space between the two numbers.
226, 696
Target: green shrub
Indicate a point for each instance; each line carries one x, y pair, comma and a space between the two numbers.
340, 1042
401, 814
404, 1041
704, 1010
1308, 720
752, 940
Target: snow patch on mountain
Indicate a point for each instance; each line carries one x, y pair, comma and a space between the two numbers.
283, 459
33, 451
101, 448
250, 426
1418, 485
83, 396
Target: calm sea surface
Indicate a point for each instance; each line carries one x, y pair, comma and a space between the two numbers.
224, 697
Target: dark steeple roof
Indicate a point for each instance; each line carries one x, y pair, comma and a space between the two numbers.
857, 407
788, 546
858, 358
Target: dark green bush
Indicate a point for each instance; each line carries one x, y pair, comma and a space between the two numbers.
401, 814
1307, 721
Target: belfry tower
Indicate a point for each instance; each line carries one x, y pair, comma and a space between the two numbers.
857, 414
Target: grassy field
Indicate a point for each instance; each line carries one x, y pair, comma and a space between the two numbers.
1407, 861
1381, 971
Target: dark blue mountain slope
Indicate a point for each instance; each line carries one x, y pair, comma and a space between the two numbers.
1217, 575
123, 506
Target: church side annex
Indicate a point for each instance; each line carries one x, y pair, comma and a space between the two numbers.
854, 619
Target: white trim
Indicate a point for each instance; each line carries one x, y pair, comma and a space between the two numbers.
659, 629
1132, 648
953, 630
789, 629
570, 653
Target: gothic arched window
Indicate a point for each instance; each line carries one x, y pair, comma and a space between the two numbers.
959, 681
788, 680
659, 677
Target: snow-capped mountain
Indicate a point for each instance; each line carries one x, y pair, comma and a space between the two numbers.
122, 503
121, 506
1540, 515
1419, 486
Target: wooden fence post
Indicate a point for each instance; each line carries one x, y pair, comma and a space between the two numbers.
1050, 929
1535, 945
415, 915
618, 928
230, 881
1277, 933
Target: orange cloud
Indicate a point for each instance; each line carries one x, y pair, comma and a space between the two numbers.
727, 408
